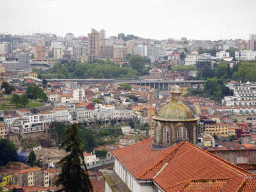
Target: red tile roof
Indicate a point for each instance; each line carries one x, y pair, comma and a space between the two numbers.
187, 164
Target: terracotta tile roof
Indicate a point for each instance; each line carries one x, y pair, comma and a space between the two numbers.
28, 170
184, 161
88, 154
51, 170
98, 184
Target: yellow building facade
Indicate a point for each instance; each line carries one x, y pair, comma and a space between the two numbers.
218, 129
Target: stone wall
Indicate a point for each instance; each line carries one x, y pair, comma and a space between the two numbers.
237, 156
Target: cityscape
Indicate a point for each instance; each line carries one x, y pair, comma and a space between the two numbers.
126, 112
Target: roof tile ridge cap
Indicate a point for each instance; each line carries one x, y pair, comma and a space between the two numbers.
191, 180
161, 160
230, 165
178, 184
242, 184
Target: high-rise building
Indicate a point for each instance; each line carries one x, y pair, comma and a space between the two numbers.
57, 52
39, 52
4, 48
93, 45
24, 60
252, 42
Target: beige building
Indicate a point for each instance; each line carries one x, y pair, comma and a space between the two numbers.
106, 51
120, 53
52, 96
66, 98
3, 130
2, 68
90, 159
31, 176
57, 52
93, 45
84, 58
33, 74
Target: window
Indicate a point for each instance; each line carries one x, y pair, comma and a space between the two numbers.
166, 135
182, 133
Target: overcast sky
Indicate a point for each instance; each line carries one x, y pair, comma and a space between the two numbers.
156, 19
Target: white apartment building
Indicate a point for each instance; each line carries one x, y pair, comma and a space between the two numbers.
140, 50
27, 124
191, 59
221, 54
78, 95
245, 55
90, 159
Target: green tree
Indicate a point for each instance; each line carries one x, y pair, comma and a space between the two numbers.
44, 82
15, 99
235, 120
221, 70
97, 101
32, 158
246, 72
125, 87
8, 151
24, 100
102, 154
182, 55
73, 175
7, 87
206, 72
137, 62
35, 92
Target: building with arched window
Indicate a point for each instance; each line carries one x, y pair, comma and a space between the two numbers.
175, 122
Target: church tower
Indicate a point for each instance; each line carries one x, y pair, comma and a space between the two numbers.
174, 122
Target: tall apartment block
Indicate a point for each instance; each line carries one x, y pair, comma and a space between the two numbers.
93, 45
252, 42
102, 36
39, 52
24, 61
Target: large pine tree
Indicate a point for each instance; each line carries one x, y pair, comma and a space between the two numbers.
73, 176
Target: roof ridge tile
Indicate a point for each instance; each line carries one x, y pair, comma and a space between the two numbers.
164, 159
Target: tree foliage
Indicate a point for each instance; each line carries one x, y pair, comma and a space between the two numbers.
137, 62
15, 99
185, 68
102, 154
97, 101
7, 87
32, 158
97, 69
125, 87
216, 88
24, 100
73, 175
8, 152
35, 92
246, 72
206, 72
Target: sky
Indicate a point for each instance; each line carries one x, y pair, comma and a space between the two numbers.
154, 19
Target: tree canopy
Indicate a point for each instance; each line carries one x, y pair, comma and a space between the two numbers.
73, 168
137, 62
15, 99
246, 72
7, 87
125, 87
35, 92
185, 68
32, 158
8, 152
97, 69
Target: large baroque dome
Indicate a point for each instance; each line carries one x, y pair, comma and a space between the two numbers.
175, 110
